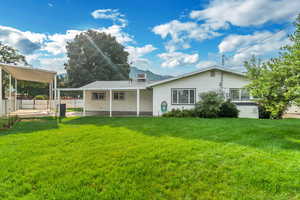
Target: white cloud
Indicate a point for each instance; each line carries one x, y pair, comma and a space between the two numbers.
53, 64
259, 43
25, 41
112, 14
118, 32
56, 43
136, 55
246, 12
48, 50
174, 59
181, 33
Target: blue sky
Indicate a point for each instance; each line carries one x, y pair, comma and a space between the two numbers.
164, 36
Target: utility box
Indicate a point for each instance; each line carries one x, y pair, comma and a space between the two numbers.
62, 110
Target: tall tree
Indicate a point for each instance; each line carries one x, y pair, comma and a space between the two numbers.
95, 56
276, 83
9, 55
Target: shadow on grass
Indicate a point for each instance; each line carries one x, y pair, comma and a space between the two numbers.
263, 134
31, 125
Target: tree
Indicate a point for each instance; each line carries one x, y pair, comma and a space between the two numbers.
95, 56
9, 55
276, 83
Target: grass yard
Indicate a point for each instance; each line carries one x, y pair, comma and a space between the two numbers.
151, 158
74, 109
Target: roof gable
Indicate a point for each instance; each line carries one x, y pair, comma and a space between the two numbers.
197, 72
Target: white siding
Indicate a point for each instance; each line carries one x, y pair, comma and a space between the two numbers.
293, 109
128, 104
248, 111
203, 82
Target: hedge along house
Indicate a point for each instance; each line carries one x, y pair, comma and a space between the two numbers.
140, 97
16, 73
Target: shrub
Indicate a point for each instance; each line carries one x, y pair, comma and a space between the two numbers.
180, 113
209, 105
263, 113
40, 97
228, 109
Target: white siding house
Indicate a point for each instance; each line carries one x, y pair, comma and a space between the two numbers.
181, 92
209, 79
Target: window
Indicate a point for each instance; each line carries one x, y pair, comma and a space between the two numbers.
245, 96
239, 94
234, 94
98, 96
183, 96
119, 95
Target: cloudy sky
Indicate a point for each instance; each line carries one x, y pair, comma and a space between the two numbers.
164, 36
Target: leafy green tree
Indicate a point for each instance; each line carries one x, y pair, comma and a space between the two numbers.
30, 89
95, 56
9, 55
276, 83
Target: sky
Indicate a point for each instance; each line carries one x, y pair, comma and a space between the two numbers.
169, 37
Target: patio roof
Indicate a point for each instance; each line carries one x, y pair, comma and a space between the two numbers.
29, 74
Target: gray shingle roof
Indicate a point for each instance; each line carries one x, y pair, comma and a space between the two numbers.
142, 85
115, 84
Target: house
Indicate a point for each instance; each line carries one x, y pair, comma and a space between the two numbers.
141, 97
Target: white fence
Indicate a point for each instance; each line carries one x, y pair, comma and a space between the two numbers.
45, 104
36, 105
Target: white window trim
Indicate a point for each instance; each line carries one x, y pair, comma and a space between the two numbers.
104, 96
240, 95
189, 96
118, 94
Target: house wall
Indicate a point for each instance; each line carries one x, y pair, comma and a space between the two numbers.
128, 104
202, 82
293, 109
248, 111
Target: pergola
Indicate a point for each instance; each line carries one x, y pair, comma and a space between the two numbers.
27, 74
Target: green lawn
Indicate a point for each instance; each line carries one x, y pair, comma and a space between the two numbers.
151, 158
74, 109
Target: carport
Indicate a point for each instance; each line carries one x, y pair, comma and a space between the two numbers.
25, 74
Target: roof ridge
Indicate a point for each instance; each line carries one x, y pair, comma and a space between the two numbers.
197, 72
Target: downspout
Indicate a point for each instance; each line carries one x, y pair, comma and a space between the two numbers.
221, 83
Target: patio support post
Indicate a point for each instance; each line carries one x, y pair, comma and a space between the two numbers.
9, 95
1, 102
55, 91
110, 103
16, 94
137, 102
83, 96
58, 103
50, 96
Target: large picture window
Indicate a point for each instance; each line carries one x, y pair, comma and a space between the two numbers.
183, 96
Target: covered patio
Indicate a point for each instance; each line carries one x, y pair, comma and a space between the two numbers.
124, 100
15, 73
